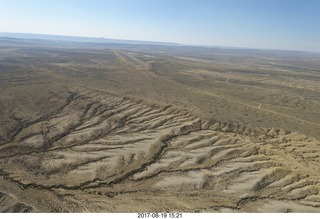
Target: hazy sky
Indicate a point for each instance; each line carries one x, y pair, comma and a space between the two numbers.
273, 24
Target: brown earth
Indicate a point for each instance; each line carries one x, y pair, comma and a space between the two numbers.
106, 130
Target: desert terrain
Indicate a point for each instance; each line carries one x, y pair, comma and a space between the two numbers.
89, 127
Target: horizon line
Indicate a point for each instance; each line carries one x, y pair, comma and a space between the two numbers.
153, 42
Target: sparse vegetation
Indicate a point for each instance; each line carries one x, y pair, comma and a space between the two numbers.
127, 128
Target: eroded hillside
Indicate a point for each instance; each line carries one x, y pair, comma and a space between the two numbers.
109, 130
101, 152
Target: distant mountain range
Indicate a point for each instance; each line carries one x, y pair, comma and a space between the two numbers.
59, 38
95, 41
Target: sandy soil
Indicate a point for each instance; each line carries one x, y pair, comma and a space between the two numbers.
80, 140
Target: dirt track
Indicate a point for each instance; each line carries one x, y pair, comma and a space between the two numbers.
104, 149
92, 130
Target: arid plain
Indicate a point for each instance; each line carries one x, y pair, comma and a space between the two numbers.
90, 127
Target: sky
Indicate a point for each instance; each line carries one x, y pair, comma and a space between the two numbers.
268, 24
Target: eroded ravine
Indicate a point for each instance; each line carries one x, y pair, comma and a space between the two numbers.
101, 152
